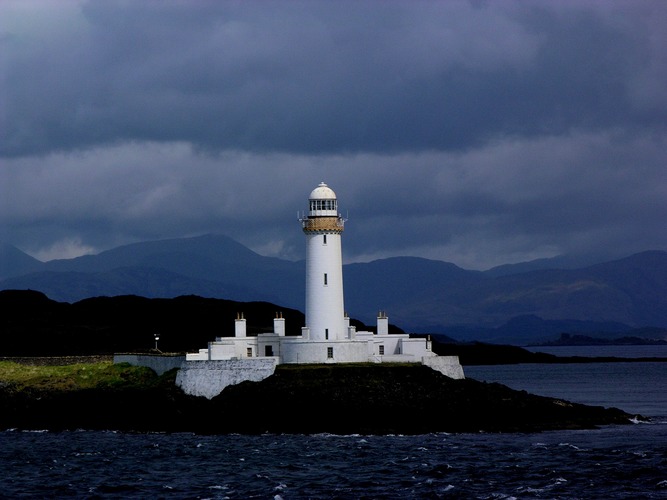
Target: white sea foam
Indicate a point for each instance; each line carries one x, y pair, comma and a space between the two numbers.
574, 447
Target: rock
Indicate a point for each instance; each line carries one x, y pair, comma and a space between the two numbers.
304, 399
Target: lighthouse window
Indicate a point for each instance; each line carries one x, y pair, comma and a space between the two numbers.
330, 352
324, 239
381, 350
323, 205
326, 280
326, 333
249, 352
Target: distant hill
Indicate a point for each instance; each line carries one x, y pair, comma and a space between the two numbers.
34, 325
532, 330
420, 295
14, 262
567, 339
559, 262
210, 266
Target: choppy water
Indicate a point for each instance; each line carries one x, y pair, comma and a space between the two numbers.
608, 463
616, 462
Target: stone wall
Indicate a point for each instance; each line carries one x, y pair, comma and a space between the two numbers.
159, 363
209, 378
447, 365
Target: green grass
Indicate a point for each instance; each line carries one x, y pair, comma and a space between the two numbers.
74, 377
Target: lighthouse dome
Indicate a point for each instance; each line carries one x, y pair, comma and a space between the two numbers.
322, 192
322, 202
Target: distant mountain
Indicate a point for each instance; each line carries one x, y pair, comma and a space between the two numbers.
72, 286
530, 329
420, 295
188, 256
559, 262
14, 262
210, 266
567, 339
427, 296
407, 287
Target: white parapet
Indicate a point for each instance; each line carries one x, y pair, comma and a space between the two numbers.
201, 355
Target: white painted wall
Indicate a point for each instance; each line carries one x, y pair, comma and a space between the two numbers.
303, 351
325, 308
415, 347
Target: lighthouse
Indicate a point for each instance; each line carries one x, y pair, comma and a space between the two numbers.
323, 227
327, 336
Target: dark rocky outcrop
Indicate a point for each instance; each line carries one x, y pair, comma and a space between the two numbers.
339, 399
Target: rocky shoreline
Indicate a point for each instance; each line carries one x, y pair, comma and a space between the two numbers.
305, 399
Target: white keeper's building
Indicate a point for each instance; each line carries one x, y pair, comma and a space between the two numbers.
327, 336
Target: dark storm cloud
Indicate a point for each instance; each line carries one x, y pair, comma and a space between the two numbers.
475, 132
593, 193
323, 77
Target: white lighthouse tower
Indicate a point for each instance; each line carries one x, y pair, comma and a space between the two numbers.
325, 312
327, 337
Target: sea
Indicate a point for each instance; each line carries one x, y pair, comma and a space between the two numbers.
611, 462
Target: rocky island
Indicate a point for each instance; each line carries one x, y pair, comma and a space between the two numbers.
303, 399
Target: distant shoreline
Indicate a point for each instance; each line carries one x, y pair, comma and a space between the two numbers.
479, 353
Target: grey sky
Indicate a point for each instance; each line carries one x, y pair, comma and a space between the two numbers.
474, 132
